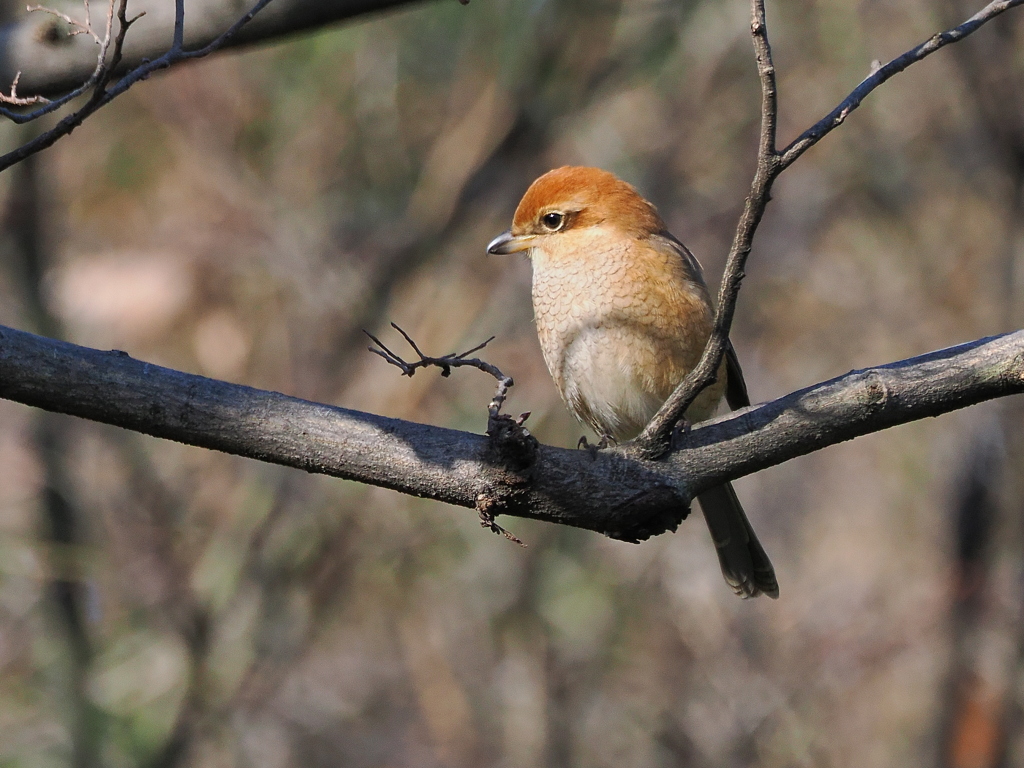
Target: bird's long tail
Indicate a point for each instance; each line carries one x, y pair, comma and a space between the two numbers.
745, 565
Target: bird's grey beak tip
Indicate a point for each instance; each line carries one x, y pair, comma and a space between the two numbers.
499, 245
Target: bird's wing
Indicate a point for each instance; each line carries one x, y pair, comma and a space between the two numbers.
736, 388
693, 267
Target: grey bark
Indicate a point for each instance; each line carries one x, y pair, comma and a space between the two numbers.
611, 492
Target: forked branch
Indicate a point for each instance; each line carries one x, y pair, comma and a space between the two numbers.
103, 40
609, 492
654, 441
446, 363
508, 435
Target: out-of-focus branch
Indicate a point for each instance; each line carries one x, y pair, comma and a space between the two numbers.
52, 64
610, 492
654, 440
103, 93
100, 71
76, 28
59, 507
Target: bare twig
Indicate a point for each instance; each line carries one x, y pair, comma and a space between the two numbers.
446, 364
102, 91
228, 34
485, 508
91, 82
656, 436
502, 429
77, 27
16, 100
881, 74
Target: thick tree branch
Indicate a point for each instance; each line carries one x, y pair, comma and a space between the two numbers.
654, 440
134, 58
855, 404
52, 64
612, 492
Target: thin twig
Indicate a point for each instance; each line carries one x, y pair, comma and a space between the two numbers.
103, 95
178, 42
16, 100
446, 363
91, 81
881, 74
485, 505
229, 33
77, 27
656, 436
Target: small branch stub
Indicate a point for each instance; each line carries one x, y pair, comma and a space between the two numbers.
446, 363
512, 443
485, 507
14, 100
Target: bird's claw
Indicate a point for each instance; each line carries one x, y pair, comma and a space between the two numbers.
604, 442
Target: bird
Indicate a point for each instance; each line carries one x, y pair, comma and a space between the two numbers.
623, 314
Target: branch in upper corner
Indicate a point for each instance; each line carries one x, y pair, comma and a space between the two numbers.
656, 436
102, 92
880, 74
77, 28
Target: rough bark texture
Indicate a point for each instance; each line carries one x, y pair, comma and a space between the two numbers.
611, 492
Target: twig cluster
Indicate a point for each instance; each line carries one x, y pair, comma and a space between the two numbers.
102, 84
76, 28
486, 505
655, 439
446, 363
15, 100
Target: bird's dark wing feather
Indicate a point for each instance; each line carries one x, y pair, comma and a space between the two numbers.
735, 387
693, 267
745, 565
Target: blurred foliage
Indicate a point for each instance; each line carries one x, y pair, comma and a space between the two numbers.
247, 216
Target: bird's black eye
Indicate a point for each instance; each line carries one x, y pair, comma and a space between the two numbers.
553, 221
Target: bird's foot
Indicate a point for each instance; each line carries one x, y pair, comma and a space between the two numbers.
604, 442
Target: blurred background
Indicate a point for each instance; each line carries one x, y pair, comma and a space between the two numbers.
246, 216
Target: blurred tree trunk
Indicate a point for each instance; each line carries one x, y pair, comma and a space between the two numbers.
983, 720
61, 525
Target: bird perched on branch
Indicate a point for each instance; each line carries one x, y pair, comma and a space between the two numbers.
623, 314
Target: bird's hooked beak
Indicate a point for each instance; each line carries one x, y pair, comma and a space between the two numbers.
506, 243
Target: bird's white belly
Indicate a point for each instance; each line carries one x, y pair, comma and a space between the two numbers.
604, 383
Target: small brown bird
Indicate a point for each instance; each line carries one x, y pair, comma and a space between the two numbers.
623, 315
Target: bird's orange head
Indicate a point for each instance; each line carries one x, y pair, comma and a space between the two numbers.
572, 198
